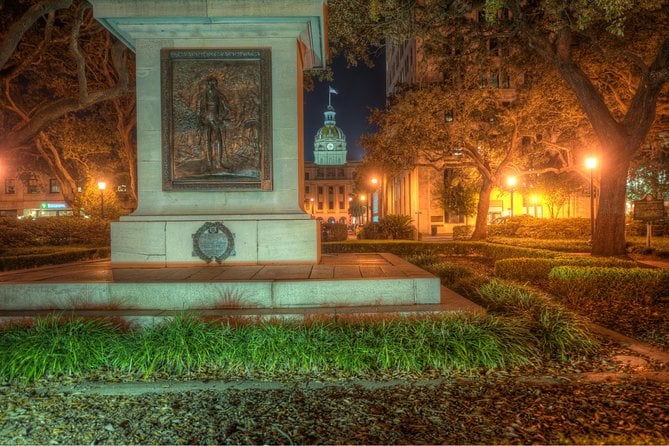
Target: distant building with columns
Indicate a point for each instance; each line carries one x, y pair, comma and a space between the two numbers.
330, 178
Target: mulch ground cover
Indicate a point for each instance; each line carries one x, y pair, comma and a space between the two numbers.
455, 411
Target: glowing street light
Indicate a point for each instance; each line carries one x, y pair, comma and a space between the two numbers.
102, 186
591, 165
312, 207
511, 182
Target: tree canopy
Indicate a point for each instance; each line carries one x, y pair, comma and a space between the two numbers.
59, 70
613, 56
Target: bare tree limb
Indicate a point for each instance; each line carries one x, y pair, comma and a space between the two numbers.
14, 34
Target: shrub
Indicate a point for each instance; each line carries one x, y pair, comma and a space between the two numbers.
372, 231
558, 331
542, 228
397, 227
598, 284
462, 232
333, 232
525, 269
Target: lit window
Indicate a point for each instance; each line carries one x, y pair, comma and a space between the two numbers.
10, 186
33, 186
54, 187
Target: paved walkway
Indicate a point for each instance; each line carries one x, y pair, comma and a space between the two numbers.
345, 269
332, 266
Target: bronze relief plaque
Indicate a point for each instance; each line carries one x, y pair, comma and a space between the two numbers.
216, 119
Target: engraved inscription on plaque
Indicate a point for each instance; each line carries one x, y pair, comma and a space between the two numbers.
213, 241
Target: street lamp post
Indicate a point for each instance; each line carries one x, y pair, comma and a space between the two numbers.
312, 207
363, 198
511, 181
591, 165
374, 191
102, 186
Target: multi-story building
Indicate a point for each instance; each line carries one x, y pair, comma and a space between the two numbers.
33, 196
329, 179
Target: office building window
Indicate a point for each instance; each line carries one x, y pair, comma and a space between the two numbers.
320, 190
341, 190
54, 187
341, 205
320, 205
330, 204
33, 186
10, 186
306, 190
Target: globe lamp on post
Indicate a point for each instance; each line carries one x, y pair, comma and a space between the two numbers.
511, 182
312, 207
102, 186
591, 165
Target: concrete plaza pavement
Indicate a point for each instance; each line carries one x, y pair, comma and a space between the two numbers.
82, 288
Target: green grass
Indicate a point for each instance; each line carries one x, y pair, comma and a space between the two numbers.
340, 347
56, 346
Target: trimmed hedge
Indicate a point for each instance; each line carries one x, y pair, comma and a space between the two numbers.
542, 228
407, 248
526, 269
562, 245
56, 231
52, 258
638, 285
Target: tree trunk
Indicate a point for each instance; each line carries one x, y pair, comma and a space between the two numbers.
481, 227
68, 186
609, 236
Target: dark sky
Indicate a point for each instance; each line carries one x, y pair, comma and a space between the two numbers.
360, 89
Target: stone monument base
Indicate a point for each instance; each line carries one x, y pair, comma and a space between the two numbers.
168, 241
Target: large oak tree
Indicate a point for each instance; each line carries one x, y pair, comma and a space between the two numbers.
612, 55
56, 62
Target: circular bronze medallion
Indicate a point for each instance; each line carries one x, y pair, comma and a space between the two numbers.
213, 241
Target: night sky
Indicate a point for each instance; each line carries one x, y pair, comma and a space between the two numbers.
360, 90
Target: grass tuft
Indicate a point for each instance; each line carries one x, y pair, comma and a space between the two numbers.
54, 346
560, 333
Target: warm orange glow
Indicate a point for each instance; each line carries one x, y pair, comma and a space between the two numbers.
102, 185
311, 199
511, 181
374, 181
591, 163
363, 198
535, 199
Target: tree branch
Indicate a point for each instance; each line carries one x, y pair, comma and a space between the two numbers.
14, 34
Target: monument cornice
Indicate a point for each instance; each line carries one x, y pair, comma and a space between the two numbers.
223, 19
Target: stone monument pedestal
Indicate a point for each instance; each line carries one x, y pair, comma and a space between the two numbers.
219, 130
